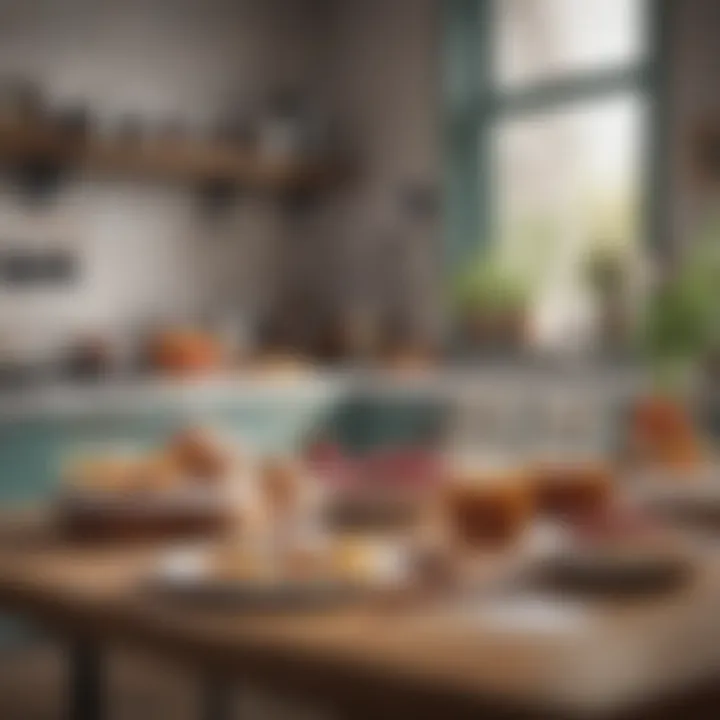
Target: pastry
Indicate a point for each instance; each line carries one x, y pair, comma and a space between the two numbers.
201, 455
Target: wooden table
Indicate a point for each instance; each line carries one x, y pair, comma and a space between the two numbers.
523, 656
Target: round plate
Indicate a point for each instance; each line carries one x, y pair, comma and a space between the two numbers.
689, 503
187, 574
601, 573
181, 498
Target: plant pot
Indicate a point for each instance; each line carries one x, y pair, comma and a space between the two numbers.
613, 323
664, 433
496, 331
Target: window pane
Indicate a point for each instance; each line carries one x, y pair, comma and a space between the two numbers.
568, 182
545, 39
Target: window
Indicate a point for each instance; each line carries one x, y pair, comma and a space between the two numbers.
553, 130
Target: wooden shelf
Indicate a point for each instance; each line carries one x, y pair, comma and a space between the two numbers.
181, 160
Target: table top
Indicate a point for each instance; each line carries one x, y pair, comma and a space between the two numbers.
526, 648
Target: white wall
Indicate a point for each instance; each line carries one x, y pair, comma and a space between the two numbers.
144, 250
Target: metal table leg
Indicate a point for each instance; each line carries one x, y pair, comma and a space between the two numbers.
86, 697
217, 700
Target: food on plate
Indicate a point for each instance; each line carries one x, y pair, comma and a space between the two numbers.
411, 467
201, 455
123, 474
281, 484
158, 472
620, 550
569, 489
353, 557
381, 489
487, 508
339, 559
194, 456
616, 525
243, 566
112, 473
408, 467
238, 565
286, 490
180, 490
328, 460
624, 534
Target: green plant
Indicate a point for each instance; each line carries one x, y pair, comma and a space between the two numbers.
682, 317
489, 286
605, 270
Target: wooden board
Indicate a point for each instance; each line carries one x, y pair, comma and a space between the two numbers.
185, 160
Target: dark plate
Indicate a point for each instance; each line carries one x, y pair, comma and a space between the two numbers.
599, 575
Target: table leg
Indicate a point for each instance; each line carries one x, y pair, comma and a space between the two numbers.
217, 700
86, 699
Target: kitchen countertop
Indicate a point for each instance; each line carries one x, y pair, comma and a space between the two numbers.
125, 395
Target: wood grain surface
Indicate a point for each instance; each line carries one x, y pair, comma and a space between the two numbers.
521, 655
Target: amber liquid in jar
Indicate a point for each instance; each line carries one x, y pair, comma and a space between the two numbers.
571, 490
487, 511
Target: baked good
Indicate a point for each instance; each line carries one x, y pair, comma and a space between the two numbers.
201, 455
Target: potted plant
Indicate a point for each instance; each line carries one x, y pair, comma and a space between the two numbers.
682, 317
605, 273
679, 334
492, 303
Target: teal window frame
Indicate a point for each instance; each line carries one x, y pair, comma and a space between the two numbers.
473, 104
